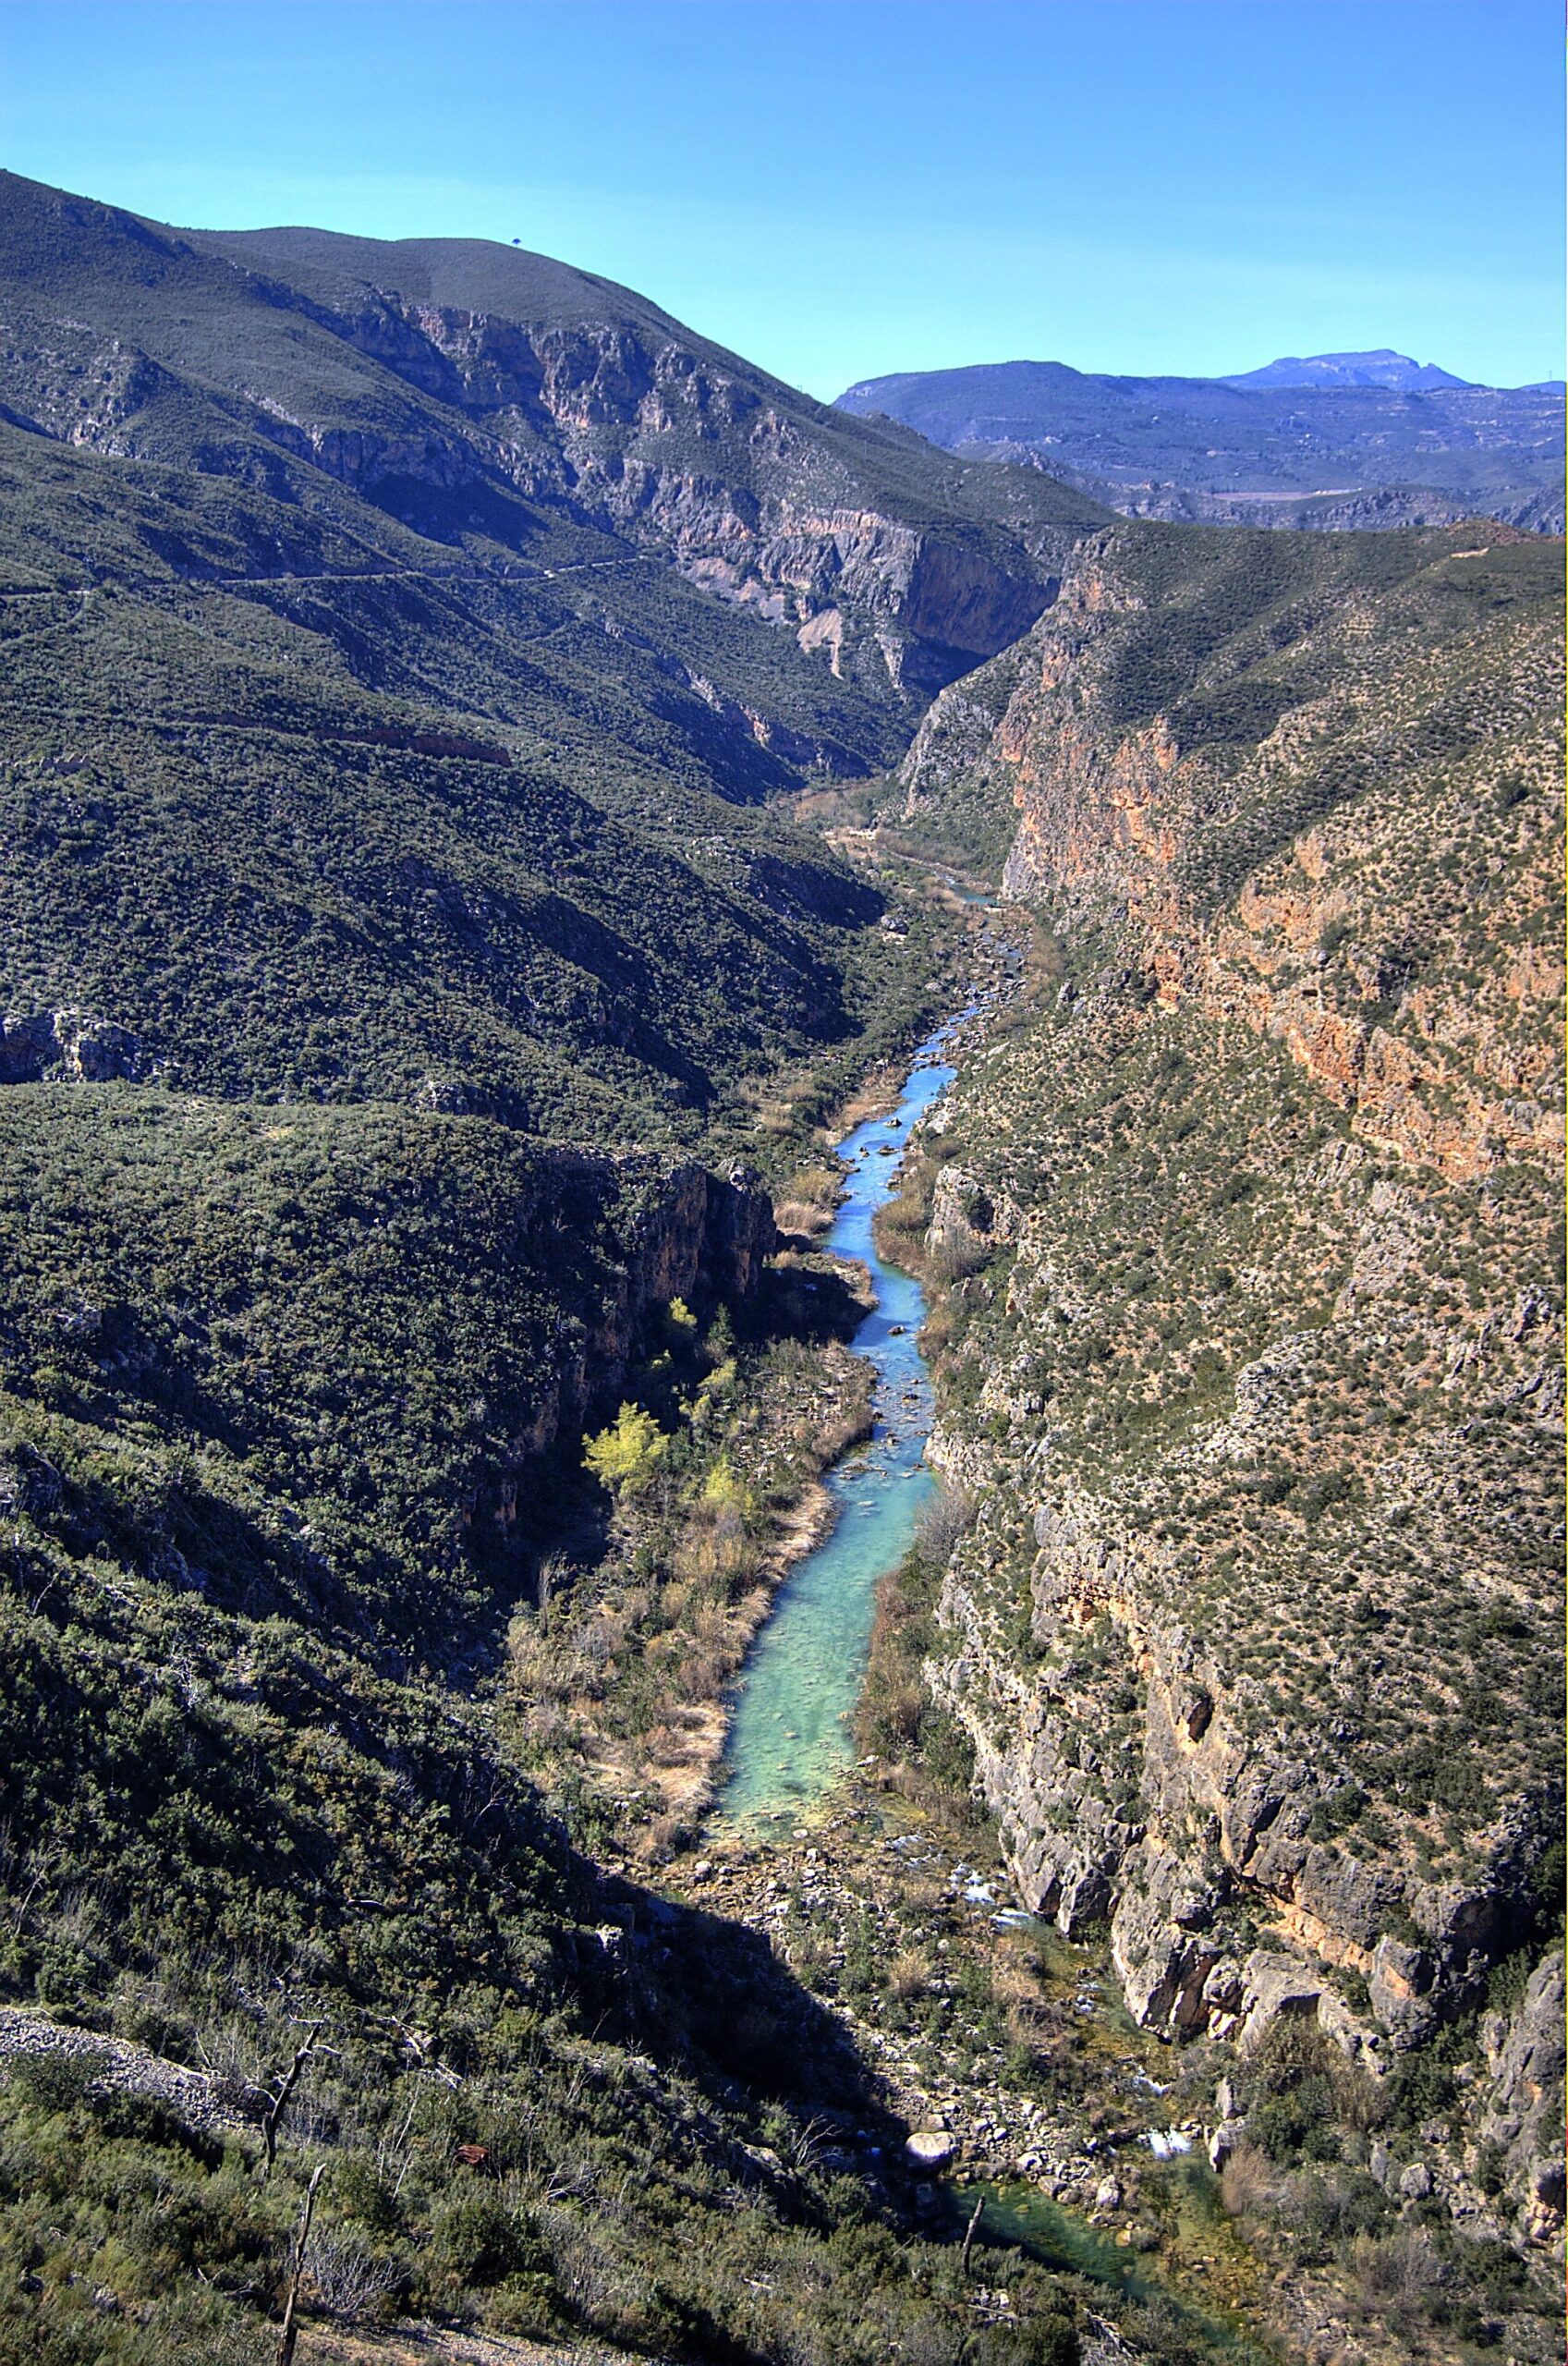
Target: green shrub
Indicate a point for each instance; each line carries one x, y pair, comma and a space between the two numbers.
479, 2242
624, 1457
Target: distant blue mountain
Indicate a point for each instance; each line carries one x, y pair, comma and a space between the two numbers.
1395, 370
1336, 440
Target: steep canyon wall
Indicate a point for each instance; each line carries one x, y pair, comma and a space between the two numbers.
1254, 1370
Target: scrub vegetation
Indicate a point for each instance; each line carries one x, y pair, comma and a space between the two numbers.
449, 708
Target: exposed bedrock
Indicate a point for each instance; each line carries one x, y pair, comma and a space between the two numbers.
1248, 1321
691, 1235
666, 444
1125, 1793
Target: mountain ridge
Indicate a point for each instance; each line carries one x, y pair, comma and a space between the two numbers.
463, 842
1381, 366
602, 407
340, 549
1259, 449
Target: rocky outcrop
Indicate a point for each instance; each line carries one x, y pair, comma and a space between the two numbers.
1215, 1633
568, 393
701, 1236
68, 1043
678, 1231
1127, 1794
966, 1223
1104, 1765
1132, 1787
113, 2066
1521, 2115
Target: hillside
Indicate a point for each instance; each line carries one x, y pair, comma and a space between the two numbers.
1250, 1345
458, 841
414, 970
457, 638
1293, 444
481, 397
268, 1382
442, 694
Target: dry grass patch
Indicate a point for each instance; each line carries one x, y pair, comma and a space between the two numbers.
909, 1974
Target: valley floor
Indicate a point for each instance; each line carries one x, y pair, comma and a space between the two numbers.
1010, 2050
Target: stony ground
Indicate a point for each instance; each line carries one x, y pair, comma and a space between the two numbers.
907, 1937
1003, 2047
441, 2345
1010, 2055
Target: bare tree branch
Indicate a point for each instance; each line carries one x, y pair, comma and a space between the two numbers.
279, 2104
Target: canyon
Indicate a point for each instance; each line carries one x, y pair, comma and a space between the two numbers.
495, 787
1257, 1375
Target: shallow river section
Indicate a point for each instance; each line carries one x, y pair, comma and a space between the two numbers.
790, 1735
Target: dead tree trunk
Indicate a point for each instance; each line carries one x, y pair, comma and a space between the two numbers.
279, 2104
289, 2332
969, 2236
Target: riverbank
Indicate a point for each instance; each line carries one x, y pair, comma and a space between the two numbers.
615, 1685
1008, 2049
798, 1694
622, 1679
1004, 2049
1011, 2053
790, 1734
1000, 2046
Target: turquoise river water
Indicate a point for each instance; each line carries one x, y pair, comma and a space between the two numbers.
790, 1735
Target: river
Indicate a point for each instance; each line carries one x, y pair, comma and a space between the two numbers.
790, 1735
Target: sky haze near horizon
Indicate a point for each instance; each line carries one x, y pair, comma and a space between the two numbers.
842, 189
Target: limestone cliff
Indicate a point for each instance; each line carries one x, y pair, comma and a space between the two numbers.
1252, 1343
1344, 942
665, 1232
687, 452
462, 385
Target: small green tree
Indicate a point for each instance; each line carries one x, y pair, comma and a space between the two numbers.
624, 1457
724, 1490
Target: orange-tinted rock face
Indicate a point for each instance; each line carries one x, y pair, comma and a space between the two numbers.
1112, 822
1260, 1411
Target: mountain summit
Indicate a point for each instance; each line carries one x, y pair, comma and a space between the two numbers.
499, 522
1384, 367
1337, 440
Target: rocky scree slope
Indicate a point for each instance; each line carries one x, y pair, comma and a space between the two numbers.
1251, 1346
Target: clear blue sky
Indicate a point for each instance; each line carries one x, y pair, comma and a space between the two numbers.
843, 187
